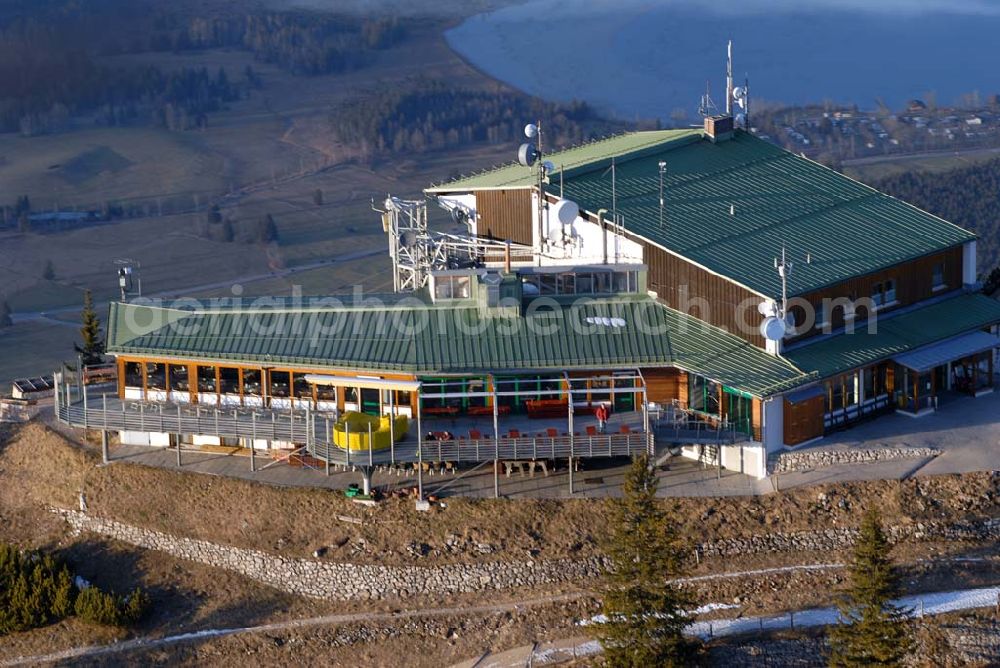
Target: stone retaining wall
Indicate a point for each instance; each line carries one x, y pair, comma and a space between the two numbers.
813, 459
843, 538
341, 581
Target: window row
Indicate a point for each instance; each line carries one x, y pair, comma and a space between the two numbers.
580, 283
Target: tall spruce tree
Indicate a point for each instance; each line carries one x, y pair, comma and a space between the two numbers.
645, 614
872, 631
5, 319
91, 348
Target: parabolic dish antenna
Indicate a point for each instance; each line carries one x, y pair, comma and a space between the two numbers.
773, 329
527, 154
566, 211
530, 130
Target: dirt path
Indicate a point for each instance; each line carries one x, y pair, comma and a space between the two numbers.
325, 620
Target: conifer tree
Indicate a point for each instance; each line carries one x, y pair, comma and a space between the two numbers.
873, 631
92, 346
645, 614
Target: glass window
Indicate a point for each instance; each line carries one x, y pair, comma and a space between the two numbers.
326, 393
850, 390
351, 394
602, 282
937, 279
567, 284
156, 376
403, 398
442, 287
252, 381
206, 379
301, 387
280, 383
179, 378
461, 287
836, 393
547, 284
133, 374
890, 291
877, 294
229, 380
584, 284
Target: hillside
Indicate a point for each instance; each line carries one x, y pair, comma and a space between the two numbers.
967, 196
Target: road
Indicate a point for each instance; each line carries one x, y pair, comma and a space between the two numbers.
47, 316
904, 157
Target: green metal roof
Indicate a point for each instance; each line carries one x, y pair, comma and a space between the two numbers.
897, 334
418, 338
732, 205
590, 155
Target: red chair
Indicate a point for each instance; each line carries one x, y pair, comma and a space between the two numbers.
552, 432
591, 430
475, 434
514, 433
625, 429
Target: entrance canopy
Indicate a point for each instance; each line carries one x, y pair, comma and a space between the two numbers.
361, 381
928, 357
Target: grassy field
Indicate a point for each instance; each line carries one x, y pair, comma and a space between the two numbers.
263, 155
941, 162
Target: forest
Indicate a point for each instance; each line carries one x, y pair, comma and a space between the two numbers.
52, 64
431, 115
966, 196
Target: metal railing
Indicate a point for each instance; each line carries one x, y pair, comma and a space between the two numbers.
676, 424
305, 427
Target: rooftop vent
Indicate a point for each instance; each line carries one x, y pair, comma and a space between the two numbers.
719, 128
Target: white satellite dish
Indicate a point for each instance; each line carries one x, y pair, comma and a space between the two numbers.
549, 166
739, 93
530, 130
768, 309
773, 329
527, 154
566, 211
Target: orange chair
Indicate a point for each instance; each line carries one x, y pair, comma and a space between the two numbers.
475, 434
514, 433
625, 429
552, 432
591, 430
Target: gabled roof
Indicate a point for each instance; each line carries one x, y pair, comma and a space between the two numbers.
426, 339
732, 205
897, 334
590, 155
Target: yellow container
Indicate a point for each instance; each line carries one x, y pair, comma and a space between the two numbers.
355, 438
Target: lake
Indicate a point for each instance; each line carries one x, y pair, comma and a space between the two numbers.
647, 60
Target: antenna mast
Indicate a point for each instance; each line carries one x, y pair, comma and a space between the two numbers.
729, 79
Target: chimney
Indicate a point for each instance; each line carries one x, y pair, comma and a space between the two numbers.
719, 128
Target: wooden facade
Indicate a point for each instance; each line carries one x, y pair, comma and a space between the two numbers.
505, 215
913, 281
803, 421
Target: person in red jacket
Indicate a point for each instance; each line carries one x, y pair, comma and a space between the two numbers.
602, 417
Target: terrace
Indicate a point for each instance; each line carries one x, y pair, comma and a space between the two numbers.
554, 429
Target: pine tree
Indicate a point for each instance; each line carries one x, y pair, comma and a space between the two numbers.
49, 272
5, 319
92, 347
267, 230
873, 631
645, 615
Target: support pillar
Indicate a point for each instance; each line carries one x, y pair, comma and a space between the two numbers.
178, 436
572, 436
105, 458
496, 443
253, 460
366, 480
420, 452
